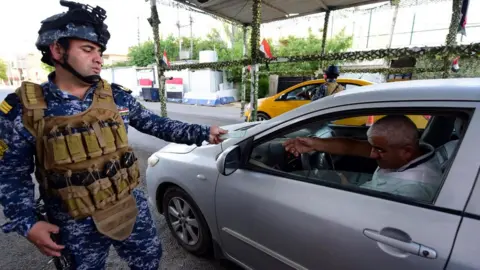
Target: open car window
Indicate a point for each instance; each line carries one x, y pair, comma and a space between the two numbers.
421, 182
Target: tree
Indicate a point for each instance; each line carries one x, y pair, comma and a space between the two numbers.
3, 70
144, 54
292, 45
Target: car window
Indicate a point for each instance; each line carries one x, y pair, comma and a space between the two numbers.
302, 93
381, 168
350, 86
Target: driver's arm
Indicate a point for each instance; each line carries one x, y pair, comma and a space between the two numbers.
343, 146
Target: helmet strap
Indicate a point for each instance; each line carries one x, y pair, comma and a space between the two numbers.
87, 79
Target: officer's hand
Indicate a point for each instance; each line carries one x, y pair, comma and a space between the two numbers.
215, 133
39, 235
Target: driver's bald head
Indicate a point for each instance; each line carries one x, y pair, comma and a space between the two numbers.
396, 130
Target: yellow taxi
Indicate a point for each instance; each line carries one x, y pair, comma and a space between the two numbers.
300, 94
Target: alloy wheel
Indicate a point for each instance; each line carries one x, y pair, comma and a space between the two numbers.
183, 221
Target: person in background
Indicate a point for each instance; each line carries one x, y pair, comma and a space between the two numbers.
330, 86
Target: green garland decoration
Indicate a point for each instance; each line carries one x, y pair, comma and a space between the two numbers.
467, 50
211, 65
306, 73
470, 50
392, 70
244, 90
154, 22
255, 56
244, 72
324, 37
255, 35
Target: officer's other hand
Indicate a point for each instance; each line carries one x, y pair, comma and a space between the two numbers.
215, 133
39, 235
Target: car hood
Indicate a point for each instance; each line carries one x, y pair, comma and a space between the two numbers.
176, 148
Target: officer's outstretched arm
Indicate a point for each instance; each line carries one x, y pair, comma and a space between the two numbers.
16, 166
166, 129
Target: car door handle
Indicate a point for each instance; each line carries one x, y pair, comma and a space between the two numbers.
410, 247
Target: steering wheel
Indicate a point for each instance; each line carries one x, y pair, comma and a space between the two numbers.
321, 160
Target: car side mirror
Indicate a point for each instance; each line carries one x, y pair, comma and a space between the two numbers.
282, 97
229, 160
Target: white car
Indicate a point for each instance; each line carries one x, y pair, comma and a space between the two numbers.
249, 201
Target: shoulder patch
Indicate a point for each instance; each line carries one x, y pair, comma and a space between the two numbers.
5, 107
9, 103
118, 86
3, 148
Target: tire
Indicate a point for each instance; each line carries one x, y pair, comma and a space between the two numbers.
203, 246
262, 116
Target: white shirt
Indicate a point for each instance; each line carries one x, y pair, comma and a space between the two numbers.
419, 179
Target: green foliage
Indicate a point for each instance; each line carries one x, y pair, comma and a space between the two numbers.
469, 68
263, 87
144, 54
3, 70
232, 50
311, 45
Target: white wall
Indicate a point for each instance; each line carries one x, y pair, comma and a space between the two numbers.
125, 76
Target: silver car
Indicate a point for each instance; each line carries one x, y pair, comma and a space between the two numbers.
249, 201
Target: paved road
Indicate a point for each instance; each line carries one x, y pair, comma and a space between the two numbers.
17, 253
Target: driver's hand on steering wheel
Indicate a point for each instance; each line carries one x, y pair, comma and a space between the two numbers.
299, 146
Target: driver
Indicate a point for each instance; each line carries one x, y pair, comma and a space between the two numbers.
405, 166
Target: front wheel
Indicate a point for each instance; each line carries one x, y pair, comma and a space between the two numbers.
186, 222
262, 116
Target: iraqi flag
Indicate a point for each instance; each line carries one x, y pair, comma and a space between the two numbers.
165, 58
463, 20
265, 49
455, 66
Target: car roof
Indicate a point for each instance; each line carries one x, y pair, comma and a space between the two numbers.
317, 81
463, 89
346, 80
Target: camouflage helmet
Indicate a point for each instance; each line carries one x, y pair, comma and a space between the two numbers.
80, 22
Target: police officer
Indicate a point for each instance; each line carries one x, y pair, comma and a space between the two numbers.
72, 127
330, 86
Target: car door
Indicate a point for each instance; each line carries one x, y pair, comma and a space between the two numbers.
465, 252
272, 220
291, 100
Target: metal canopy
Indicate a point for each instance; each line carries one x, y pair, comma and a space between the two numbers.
240, 11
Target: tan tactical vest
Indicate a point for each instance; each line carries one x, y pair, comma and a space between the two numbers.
85, 160
333, 88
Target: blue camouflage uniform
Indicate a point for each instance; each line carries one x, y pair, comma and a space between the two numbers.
88, 248
322, 91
